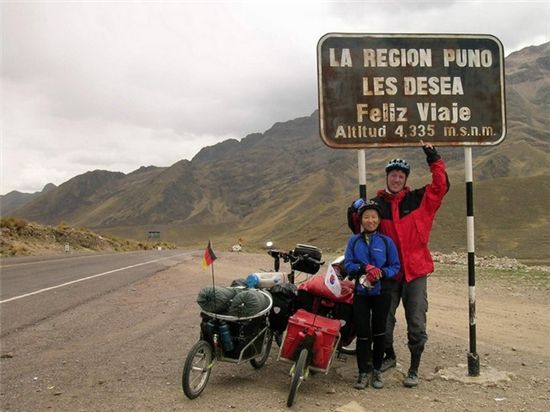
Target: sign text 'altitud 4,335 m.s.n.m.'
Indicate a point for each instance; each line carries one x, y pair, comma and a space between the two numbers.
392, 90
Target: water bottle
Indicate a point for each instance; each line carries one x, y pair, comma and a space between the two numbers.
209, 329
252, 280
270, 279
225, 337
264, 279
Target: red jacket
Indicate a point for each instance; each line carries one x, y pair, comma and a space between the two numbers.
407, 218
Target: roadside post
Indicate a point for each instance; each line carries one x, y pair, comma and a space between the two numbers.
362, 170
473, 357
393, 90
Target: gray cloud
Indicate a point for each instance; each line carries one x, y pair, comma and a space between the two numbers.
119, 85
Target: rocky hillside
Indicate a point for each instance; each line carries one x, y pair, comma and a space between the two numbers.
19, 238
285, 185
15, 199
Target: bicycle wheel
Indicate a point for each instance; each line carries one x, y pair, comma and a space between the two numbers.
297, 377
266, 348
196, 371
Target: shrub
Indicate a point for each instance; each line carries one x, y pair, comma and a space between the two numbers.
13, 223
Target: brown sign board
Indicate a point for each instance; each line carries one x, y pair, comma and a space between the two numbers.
387, 90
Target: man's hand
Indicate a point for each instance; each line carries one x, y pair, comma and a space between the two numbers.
358, 203
431, 153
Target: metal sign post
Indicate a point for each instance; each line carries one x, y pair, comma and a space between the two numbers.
394, 90
473, 358
362, 170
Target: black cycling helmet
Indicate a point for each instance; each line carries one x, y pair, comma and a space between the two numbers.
398, 164
369, 204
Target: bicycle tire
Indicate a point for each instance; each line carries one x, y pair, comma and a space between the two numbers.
197, 369
260, 361
297, 377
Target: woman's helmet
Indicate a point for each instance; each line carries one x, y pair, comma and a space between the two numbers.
398, 164
369, 204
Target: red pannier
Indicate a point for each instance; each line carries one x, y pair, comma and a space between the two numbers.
315, 285
304, 323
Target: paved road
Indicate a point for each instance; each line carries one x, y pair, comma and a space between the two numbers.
35, 288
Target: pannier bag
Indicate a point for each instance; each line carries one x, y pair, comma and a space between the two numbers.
314, 296
316, 286
242, 333
312, 303
305, 265
284, 298
303, 324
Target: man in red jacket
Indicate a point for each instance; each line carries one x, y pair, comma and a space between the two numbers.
407, 217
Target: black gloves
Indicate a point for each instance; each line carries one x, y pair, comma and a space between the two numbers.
431, 154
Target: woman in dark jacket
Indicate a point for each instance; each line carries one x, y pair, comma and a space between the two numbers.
372, 260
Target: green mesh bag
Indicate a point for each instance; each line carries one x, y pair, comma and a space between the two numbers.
248, 303
215, 299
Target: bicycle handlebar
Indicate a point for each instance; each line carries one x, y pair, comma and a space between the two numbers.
310, 259
290, 257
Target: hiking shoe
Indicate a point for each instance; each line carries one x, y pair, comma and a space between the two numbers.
388, 363
362, 381
411, 380
377, 382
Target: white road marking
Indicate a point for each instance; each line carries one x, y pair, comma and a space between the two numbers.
87, 278
65, 258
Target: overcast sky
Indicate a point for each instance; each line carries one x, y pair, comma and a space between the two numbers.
119, 85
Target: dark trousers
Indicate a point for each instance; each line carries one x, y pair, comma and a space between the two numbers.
370, 314
415, 302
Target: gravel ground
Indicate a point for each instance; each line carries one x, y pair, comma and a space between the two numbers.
125, 350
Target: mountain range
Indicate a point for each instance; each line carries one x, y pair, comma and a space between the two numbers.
285, 185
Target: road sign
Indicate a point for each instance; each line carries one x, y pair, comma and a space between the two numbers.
384, 90
153, 234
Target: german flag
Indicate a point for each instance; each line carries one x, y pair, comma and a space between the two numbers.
209, 256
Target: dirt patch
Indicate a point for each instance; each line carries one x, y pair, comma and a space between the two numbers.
124, 351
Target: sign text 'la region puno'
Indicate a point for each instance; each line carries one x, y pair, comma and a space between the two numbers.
382, 90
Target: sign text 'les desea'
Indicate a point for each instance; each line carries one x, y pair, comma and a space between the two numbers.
383, 90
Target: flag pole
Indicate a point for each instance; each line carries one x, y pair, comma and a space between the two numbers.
212, 267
